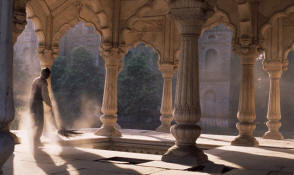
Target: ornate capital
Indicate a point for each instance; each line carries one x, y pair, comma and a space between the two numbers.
247, 53
47, 57
167, 70
112, 56
274, 69
190, 15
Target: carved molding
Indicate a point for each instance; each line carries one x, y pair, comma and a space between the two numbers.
84, 14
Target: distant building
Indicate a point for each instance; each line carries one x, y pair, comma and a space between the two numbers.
215, 54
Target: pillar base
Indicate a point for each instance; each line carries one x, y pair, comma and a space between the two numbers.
109, 127
6, 147
185, 155
245, 141
165, 123
163, 128
273, 135
108, 131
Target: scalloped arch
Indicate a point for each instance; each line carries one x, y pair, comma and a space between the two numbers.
65, 27
147, 44
100, 25
268, 25
284, 13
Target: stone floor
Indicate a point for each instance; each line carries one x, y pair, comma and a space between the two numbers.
272, 158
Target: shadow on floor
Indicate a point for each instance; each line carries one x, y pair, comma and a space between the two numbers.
75, 161
273, 161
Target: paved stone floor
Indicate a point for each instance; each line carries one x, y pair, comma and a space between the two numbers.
272, 158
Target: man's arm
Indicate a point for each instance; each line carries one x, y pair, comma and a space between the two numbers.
45, 94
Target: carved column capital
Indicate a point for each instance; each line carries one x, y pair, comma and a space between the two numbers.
46, 56
113, 56
274, 69
190, 15
167, 70
247, 54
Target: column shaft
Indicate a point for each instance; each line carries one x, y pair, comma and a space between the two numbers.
109, 104
6, 75
187, 107
189, 16
246, 110
166, 103
274, 110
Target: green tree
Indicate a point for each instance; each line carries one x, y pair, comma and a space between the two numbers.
75, 78
139, 92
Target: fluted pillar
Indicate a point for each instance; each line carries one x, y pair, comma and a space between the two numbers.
189, 16
246, 109
6, 75
109, 104
166, 102
275, 70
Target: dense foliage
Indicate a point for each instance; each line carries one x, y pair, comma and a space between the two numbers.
78, 85
139, 91
77, 81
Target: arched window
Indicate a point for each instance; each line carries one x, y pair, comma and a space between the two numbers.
211, 60
209, 104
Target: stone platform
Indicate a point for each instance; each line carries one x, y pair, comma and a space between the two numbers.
271, 158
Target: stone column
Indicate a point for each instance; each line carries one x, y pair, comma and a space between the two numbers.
167, 97
189, 16
275, 70
246, 109
6, 75
109, 104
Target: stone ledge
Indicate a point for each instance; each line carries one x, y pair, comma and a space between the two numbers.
152, 142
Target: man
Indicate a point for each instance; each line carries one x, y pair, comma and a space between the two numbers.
39, 94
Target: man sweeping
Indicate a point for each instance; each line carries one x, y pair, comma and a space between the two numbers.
40, 94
